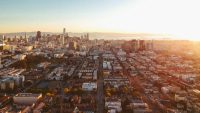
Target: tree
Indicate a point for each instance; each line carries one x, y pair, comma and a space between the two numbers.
66, 90
125, 89
108, 94
50, 94
136, 93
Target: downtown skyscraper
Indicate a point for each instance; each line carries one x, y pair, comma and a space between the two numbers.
63, 37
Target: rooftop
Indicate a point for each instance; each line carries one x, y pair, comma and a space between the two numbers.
27, 95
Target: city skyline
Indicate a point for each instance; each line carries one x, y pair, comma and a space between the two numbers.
99, 56
175, 17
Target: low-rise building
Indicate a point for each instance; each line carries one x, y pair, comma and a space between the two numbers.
89, 86
113, 104
26, 98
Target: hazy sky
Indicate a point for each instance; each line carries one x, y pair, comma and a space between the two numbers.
177, 17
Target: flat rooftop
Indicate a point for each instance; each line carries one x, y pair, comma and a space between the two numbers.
27, 95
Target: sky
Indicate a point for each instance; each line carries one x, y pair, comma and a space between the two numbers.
180, 18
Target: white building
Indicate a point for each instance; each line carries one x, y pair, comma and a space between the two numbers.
28, 48
56, 74
89, 86
121, 53
113, 105
20, 57
58, 55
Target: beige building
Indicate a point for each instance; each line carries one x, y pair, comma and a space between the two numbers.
26, 98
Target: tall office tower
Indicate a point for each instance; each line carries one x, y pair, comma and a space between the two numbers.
72, 45
1, 38
0, 60
151, 44
87, 35
25, 37
63, 37
1, 42
135, 45
64, 31
141, 45
38, 36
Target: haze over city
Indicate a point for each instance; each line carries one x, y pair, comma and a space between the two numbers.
179, 18
99, 56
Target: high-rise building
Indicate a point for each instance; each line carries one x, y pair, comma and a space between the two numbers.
25, 37
72, 45
142, 45
1, 42
87, 36
135, 45
64, 30
152, 44
38, 36
1, 38
63, 37
131, 46
0, 60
